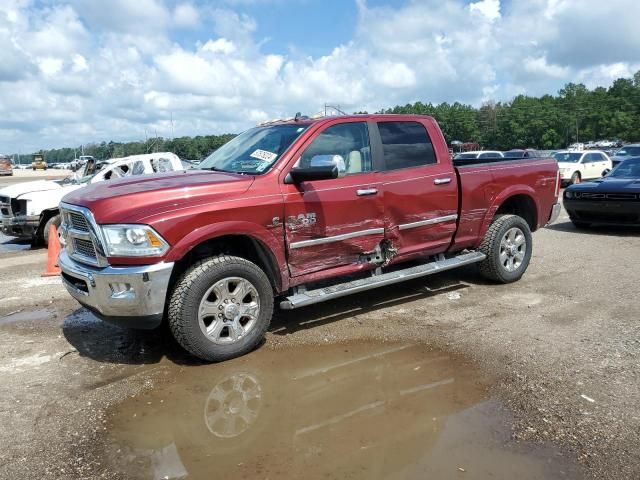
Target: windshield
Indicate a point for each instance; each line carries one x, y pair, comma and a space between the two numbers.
85, 173
254, 151
572, 157
627, 169
628, 152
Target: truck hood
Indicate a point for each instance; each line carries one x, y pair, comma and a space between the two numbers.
131, 200
14, 191
609, 185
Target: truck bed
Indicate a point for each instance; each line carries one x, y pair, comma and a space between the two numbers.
484, 185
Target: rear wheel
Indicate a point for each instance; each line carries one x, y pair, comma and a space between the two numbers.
508, 246
576, 178
221, 308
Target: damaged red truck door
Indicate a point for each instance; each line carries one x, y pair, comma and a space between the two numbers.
333, 222
420, 188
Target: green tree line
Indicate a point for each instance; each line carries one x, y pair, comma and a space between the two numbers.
190, 148
576, 113
547, 122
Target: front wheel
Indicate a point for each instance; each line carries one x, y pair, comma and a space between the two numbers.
508, 247
221, 308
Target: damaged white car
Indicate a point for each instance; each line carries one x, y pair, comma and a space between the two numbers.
27, 210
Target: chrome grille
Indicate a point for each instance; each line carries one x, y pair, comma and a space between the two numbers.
80, 233
84, 248
77, 221
607, 196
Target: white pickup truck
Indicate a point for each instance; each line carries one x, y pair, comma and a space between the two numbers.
27, 210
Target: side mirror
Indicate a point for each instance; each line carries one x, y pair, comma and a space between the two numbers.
321, 167
307, 174
606, 172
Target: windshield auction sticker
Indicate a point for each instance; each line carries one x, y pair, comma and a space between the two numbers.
264, 155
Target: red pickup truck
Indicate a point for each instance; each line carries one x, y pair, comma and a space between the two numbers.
305, 211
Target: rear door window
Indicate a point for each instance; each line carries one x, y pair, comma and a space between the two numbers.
405, 145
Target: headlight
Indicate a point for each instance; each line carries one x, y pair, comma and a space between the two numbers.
133, 241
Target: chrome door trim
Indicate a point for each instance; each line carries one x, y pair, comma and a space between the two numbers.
430, 221
366, 191
336, 238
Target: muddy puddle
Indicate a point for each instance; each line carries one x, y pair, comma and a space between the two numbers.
366, 411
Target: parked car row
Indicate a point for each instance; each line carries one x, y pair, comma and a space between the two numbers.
600, 144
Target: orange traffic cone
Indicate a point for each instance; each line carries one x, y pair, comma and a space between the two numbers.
53, 252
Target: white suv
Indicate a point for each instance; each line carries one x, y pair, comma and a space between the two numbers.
583, 165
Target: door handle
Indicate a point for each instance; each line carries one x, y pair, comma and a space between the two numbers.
366, 191
441, 181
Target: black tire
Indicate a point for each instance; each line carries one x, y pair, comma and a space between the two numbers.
184, 304
55, 220
575, 178
492, 267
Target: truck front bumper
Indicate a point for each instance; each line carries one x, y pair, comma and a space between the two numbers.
555, 212
132, 297
24, 226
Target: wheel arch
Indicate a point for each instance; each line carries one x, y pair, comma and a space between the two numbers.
242, 245
522, 205
45, 215
517, 200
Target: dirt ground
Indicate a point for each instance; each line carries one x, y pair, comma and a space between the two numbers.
562, 347
30, 175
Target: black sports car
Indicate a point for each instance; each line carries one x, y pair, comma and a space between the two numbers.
611, 200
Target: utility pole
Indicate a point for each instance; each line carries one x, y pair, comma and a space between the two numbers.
577, 138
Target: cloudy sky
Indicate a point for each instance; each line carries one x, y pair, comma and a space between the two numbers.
82, 71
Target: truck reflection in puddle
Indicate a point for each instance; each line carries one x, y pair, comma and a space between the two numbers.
357, 411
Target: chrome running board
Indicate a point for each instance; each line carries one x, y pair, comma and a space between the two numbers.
304, 298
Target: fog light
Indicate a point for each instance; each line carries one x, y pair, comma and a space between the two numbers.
122, 290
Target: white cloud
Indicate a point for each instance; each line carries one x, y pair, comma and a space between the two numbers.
130, 16
488, 8
93, 70
539, 66
221, 45
186, 15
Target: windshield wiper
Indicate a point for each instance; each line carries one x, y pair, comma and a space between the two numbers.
216, 169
